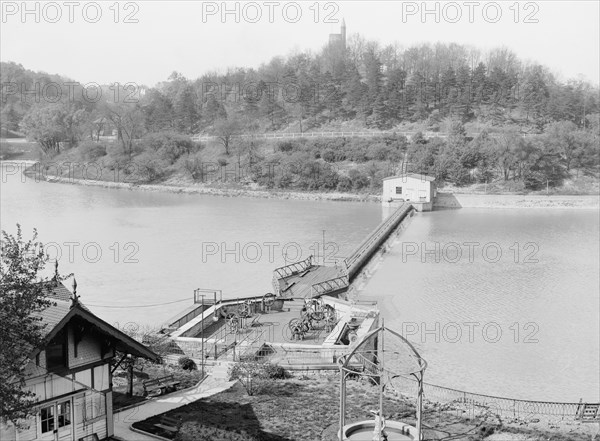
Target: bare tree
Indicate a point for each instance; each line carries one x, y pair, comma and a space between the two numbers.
225, 129
128, 119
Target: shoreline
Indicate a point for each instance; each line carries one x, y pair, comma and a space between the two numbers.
444, 200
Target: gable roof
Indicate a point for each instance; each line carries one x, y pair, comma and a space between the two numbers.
419, 176
63, 309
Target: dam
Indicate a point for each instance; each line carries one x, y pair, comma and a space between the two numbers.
308, 321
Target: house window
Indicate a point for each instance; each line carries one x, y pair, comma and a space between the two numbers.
56, 352
398, 190
47, 419
64, 413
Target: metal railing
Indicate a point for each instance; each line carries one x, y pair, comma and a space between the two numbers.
330, 285
363, 251
293, 268
506, 407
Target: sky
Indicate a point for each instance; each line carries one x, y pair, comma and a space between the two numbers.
145, 41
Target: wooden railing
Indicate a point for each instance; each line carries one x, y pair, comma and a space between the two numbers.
363, 134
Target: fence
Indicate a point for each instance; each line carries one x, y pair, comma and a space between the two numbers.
293, 135
505, 407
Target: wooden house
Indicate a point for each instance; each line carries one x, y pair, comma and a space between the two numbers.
71, 375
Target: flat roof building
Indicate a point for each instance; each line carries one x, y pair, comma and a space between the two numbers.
418, 189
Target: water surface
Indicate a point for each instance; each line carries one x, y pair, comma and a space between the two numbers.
523, 324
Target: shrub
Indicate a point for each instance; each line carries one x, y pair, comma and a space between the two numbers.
187, 364
344, 184
250, 374
7, 150
170, 146
192, 165
276, 372
379, 152
359, 180
356, 149
329, 156
151, 165
285, 146
90, 151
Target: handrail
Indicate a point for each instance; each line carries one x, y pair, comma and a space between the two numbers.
367, 244
330, 285
293, 268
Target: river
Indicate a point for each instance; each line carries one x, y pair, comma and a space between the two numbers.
523, 325
503, 302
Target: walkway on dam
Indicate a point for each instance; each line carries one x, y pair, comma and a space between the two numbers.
305, 279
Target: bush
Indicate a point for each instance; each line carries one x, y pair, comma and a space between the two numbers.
276, 372
90, 151
285, 146
169, 145
328, 156
7, 150
380, 152
151, 165
356, 150
359, 180
344, 184
187, 364
192, 165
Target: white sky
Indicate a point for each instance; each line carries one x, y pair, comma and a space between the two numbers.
172, 35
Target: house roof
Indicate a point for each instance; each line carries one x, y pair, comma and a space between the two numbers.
63, 310
414, 176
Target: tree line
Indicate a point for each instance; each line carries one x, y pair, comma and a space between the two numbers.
443, 87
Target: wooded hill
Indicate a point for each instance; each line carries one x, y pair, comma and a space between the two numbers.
444, 87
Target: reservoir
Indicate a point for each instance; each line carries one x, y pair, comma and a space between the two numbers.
499, 302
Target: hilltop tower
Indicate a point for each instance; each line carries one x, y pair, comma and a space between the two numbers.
338, 41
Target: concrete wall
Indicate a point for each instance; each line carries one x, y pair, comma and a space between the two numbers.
456, 200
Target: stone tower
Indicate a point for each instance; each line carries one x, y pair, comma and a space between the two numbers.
339, 40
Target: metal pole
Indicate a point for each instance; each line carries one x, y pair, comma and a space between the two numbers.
323, 247
419, 405
381, 385
342, 401
203, 318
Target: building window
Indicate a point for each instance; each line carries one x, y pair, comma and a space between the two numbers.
64, 413
47, 419
398, 190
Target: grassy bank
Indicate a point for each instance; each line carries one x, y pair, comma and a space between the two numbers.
461, 199
306, 409
328, 169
